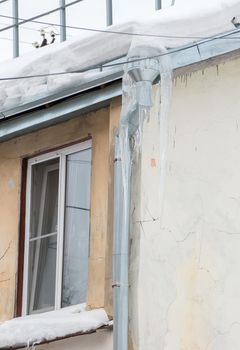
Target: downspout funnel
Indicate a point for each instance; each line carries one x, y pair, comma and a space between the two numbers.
143, 68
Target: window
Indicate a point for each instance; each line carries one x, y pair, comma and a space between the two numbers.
57, 229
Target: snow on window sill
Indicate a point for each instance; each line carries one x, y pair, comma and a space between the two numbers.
49, 326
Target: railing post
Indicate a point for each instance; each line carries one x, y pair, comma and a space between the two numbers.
109, 12
62, 20
158, 4
15, 28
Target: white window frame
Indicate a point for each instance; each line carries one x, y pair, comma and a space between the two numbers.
61, 154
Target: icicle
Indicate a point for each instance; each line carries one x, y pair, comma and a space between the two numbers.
165, 99
139, 75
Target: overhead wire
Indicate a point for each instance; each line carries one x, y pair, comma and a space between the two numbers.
35, 30
103, 66
107, 31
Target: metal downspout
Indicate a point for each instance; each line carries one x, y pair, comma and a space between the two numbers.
120, 253
143, 75
116, 240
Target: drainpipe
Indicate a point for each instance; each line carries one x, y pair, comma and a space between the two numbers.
142, 73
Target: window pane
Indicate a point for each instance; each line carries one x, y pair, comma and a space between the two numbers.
78, 179
76, 251
44, 201
76, 233
42, 273
43, 237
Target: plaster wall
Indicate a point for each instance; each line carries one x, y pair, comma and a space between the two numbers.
185, 259
12, 153
101, 340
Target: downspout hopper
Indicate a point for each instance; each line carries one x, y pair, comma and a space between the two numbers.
141, 71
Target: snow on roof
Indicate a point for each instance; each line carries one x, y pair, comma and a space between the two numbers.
187, 19
49, 326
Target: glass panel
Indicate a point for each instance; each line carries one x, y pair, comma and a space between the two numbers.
122, 10
44, 198
42, 273
76, 251
78, 179
88, 13
76, 231
42, 251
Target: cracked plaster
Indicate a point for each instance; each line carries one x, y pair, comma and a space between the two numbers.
184, 266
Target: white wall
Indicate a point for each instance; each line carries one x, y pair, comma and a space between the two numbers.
101, 340
185, 266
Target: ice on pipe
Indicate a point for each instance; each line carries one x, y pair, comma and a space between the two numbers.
139, 76
181, 24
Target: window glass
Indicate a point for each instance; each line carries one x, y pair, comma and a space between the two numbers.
78, 180
43, 273
43, 237
44, 201
76, 233
58, 246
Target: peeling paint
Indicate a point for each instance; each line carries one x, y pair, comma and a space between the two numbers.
11, 184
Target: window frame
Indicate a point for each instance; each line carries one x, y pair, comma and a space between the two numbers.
62, 154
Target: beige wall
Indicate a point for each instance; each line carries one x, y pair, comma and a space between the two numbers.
98, 125
185, 286
101, 340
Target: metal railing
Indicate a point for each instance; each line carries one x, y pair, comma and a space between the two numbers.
17, 22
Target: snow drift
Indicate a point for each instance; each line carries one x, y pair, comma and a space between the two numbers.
34, 329
184, 23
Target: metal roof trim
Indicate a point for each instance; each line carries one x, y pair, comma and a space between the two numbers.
59, 112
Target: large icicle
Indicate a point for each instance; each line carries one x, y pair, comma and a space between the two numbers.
165, 100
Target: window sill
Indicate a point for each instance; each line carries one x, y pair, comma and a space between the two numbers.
53, 325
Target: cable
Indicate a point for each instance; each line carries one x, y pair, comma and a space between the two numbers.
35, 30
108, 31
99, 66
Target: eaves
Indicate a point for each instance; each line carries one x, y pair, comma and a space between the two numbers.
106, 84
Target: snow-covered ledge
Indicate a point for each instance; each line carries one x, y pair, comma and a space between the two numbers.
50, 326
